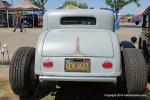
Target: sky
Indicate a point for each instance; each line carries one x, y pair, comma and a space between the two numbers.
131, 8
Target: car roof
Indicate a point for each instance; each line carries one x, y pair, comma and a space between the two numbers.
79, 11
104, 18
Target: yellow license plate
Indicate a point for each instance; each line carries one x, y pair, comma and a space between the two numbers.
77, 65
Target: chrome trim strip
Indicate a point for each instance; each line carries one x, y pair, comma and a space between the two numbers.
78, 79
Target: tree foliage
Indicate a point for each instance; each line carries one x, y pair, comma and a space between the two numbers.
75, 3
119, 4
72, 2
40, 3
83, 5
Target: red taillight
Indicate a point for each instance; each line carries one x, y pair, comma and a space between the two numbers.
107, 65
48, 64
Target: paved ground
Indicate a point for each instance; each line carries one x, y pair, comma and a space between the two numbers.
128, 30
18, 39
29, 38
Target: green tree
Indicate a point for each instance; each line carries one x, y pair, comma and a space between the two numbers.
72, 2
75, 3
83, 6
40, 3
119, 4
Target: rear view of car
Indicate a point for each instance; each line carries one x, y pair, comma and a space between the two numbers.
78, 46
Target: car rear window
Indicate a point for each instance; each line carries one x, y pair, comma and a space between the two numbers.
78, 21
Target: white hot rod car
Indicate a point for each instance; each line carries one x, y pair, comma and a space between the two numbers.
78, 46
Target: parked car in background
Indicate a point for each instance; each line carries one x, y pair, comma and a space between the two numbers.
137, 20
3, 20
28, 20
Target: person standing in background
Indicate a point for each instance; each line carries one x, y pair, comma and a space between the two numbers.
18, 23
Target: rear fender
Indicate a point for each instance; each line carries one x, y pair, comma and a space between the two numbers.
38, 53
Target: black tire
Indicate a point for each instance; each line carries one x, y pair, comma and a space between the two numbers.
147, 57
135, 71
121, 87
137, 22
140, 43
23, 81
145, 51
148, 79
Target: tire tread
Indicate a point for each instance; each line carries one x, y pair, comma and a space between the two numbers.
17, 74
135, 69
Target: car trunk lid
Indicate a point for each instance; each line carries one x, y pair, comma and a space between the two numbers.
81, 42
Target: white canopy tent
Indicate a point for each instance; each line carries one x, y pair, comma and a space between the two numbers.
4, 4
25, 5
68, 6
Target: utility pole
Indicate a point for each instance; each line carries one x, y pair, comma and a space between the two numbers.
12, 2
115, 1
